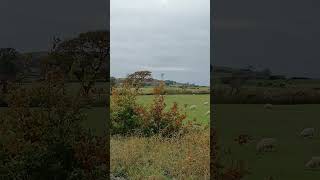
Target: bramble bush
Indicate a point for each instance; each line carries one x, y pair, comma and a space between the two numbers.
128, 117
157, 120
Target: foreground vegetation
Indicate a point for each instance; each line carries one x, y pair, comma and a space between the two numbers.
152, 136
155, 157
41, 125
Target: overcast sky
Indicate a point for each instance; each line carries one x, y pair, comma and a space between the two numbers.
163, 36
29, 25
281, 35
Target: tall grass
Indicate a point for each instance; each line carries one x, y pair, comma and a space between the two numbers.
185, 157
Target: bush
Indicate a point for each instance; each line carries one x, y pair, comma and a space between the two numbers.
124, 118
48, 142
156, 120
128, 117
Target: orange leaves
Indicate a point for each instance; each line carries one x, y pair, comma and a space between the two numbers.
157, 119
160, 89
127, 116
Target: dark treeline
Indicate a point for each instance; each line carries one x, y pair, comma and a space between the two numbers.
251, 86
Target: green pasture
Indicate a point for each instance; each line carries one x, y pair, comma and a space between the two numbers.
199, 113
283, 122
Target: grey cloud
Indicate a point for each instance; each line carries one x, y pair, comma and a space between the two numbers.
163, 39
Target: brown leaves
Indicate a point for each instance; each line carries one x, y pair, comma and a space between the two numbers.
158, 120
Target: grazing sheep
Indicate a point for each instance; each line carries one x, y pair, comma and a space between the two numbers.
205, 103
307, 132
268, 106
193, 107
313, 163
266, 145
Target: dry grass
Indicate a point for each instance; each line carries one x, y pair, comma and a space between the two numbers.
187, 157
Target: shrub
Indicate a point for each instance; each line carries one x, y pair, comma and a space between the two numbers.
156, 120
124, 118
48, 142
128, 117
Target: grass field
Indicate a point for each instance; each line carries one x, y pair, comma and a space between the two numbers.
283, 122
199, 113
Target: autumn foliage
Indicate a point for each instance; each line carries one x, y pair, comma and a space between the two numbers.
157, 120
129, 117
46, 140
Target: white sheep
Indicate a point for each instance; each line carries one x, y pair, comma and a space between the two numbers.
268, 106
193, 107
307, 132
207, 113
205, 103
266, 145
313, 163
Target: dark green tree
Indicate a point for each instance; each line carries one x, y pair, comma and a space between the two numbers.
84, 57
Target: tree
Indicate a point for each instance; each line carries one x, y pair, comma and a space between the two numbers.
84, 57
137, 79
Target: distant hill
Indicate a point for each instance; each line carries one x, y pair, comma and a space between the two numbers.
222, 71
